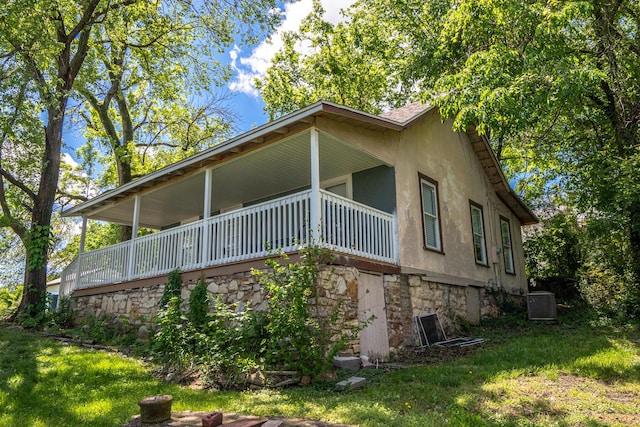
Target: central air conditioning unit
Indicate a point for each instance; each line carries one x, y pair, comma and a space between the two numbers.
542, 306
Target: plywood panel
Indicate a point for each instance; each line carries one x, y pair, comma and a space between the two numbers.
374, 339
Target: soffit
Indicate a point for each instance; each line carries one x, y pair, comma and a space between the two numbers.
278, 168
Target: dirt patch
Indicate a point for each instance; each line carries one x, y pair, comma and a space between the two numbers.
433, 355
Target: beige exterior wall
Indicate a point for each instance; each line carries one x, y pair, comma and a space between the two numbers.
433, 149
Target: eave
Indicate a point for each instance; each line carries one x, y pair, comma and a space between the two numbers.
271, 132
497, 179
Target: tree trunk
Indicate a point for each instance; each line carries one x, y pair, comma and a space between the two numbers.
634, 243
38, 243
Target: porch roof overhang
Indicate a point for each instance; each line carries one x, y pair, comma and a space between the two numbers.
173, 194
182, 183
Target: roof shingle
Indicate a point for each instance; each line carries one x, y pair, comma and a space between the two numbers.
406, 113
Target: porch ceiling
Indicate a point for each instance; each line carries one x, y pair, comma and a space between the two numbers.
274, 169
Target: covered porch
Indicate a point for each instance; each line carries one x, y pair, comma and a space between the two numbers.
266, 190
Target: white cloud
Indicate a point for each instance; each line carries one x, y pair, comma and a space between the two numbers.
256, 63
66, 158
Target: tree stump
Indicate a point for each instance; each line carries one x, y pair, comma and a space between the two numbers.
155, 409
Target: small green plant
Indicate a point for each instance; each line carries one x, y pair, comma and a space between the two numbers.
173, 287
199, 305
9, 300
62, 316
171, 342
35, 315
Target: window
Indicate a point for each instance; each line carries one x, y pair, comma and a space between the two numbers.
340, 186
507, 251
430, 213
477, 225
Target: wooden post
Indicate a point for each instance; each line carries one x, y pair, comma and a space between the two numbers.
83, 235
206, 244
134, 235
315, 208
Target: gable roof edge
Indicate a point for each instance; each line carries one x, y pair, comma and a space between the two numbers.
490, 163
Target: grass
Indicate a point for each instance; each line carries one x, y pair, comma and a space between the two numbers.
568, 374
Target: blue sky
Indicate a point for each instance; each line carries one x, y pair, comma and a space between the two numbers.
249, 63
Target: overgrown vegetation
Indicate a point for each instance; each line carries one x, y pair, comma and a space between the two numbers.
9, 300
584, 259
226, 344
580, 371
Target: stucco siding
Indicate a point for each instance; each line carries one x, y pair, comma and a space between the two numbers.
432, 148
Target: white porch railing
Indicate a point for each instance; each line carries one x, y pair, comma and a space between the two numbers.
244, 234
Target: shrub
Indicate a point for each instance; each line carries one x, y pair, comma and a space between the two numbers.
199, 305
62, 316
173, 341
9, 300
226, 345
173, 287
295, 339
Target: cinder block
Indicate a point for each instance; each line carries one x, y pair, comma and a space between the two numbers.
274, 423
349, 363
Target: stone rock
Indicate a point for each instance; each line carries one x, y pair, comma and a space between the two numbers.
351, 383
143, 333
305, 380
257, 378
349, 363
341, 286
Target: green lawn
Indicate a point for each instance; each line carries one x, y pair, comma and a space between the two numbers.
563, 375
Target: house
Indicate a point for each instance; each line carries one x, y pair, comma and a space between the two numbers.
420, 219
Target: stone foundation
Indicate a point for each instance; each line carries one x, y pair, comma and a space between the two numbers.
406, 296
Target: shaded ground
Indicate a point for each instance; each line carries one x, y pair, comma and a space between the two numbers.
433, 355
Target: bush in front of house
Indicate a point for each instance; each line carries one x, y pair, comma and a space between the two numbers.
225, 346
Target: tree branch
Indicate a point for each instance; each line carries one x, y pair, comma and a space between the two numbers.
12, 179
70, 196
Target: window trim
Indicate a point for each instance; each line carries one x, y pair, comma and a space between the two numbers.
343, 179
434, 184
513, 262
473, 205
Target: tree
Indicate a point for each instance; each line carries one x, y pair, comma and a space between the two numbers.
136, 92
44, 45
361, 67
554, 85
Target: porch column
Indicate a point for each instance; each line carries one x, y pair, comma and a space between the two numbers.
206, 232
315, 211
134, 235
83, 236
